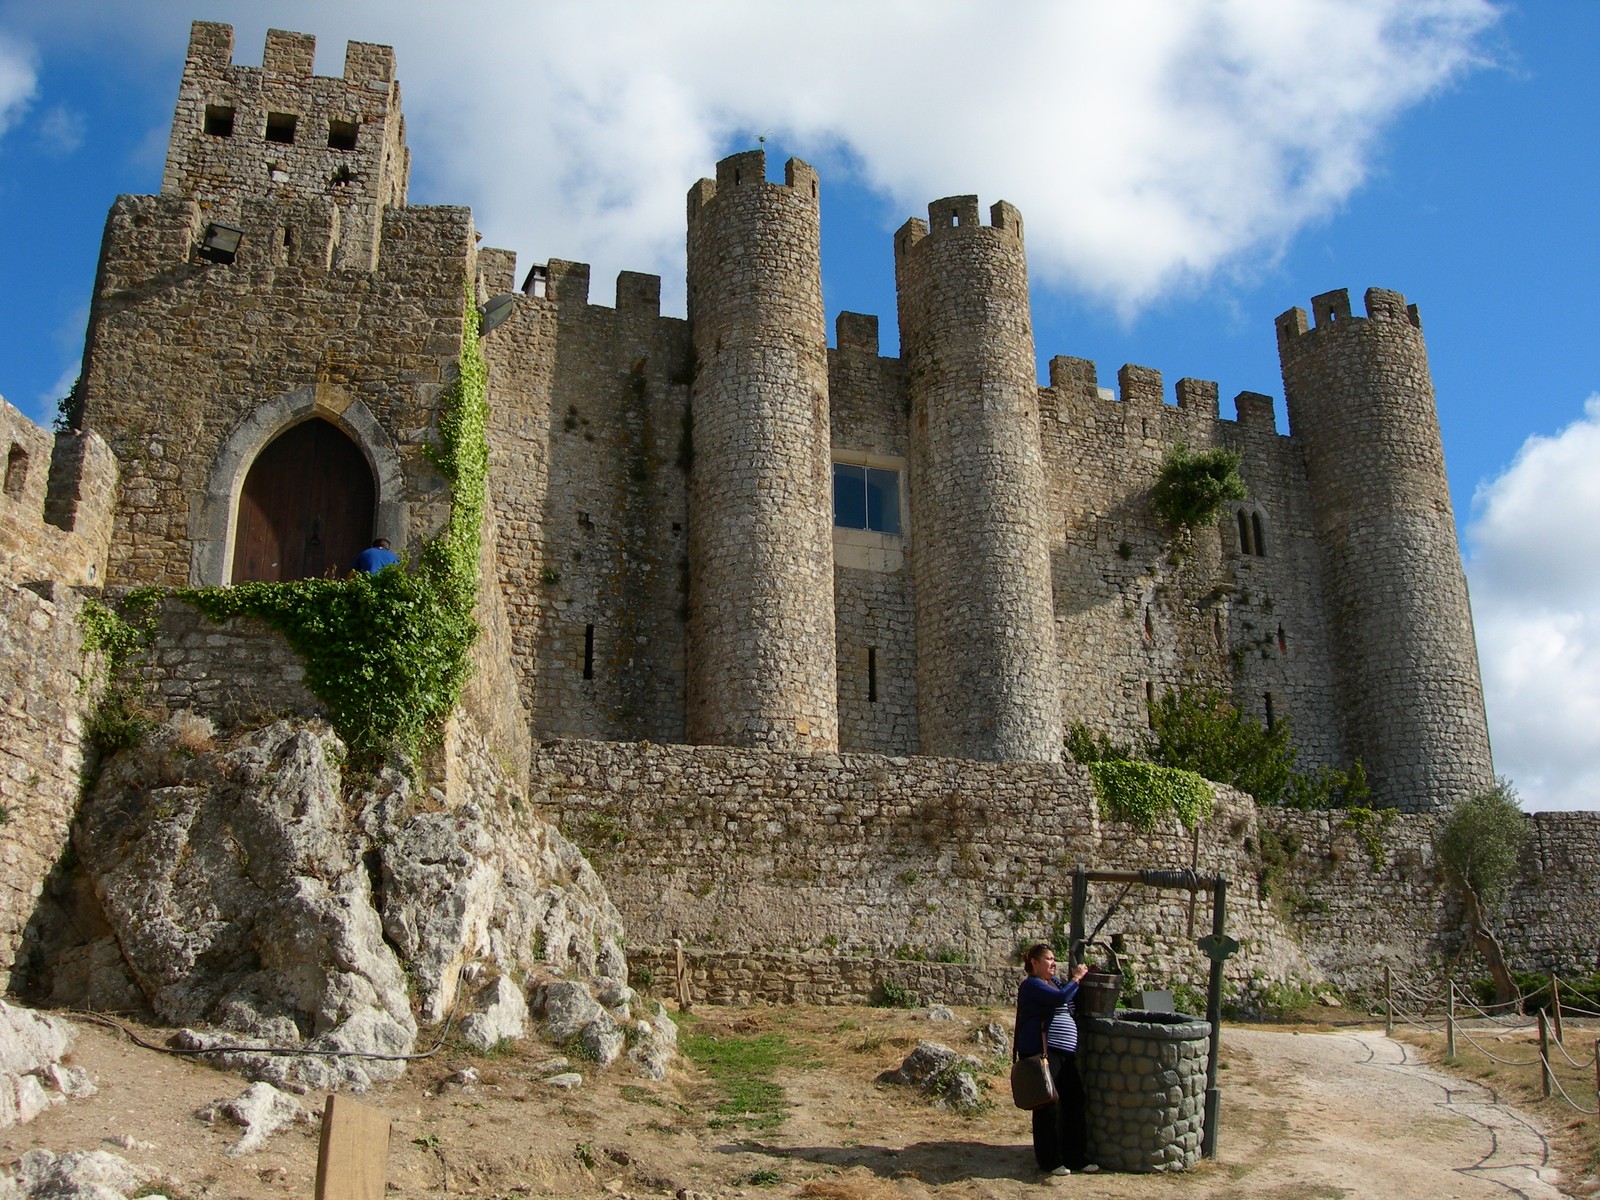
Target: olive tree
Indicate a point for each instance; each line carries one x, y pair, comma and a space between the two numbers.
1478, 845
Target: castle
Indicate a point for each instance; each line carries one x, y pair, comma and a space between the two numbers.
879, 585
722, 531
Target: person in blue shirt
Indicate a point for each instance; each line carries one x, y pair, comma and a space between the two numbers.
375, 558
1046, 1021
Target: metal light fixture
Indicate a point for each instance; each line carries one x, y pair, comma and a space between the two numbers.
495, 311
220, 243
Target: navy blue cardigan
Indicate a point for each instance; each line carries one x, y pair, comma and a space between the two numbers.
1037, 1001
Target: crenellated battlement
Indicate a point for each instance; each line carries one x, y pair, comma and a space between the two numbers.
747, 171
958, 215
242, 133
1076, 381
1331, 310
56, 504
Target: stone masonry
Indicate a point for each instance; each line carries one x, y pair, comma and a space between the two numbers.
672, 553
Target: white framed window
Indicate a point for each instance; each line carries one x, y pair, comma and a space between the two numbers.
870, 512
866, 498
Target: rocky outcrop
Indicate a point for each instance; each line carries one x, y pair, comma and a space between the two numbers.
75, 1175
297, 924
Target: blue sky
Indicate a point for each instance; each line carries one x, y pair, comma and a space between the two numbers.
1186, 172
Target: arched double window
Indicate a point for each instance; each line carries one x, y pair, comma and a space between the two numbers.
1252, 537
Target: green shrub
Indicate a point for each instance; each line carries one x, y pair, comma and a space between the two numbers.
1192, 487
1200, 730
1481, 840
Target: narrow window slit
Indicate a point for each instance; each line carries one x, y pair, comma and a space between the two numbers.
872, 675
588, 651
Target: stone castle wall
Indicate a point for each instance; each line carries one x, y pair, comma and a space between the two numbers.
1368, 891
761, 623
987, 682
49, 688
804, 859
1137, 611
834, 874
588, 484
188, 382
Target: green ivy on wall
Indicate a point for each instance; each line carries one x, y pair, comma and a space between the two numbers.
1144, 794
388, 653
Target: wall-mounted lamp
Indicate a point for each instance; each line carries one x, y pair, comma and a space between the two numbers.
220, 243
497, 310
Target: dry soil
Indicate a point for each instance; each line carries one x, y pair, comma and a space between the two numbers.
1305, 1116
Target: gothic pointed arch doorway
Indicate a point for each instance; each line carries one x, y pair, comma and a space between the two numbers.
306, 507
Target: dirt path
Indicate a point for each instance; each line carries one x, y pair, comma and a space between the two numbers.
1305, 1117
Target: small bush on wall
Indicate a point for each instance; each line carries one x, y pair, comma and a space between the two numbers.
1192, 486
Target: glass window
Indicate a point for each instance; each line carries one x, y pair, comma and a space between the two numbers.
866, 498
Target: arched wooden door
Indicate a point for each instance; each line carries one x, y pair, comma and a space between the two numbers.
306, 508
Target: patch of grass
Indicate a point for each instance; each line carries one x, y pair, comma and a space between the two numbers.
742, 1069
765, 1177
638, 1095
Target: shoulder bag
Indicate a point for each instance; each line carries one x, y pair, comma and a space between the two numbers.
1031, 1084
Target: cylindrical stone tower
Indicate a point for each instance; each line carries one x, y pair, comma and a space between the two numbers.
988, 676
761, 643
1361, 405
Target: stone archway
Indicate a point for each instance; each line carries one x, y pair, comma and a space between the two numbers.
306, 507
214, 515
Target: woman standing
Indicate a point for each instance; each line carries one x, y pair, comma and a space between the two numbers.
1045, 1023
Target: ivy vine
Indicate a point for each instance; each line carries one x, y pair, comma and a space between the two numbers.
1144, 794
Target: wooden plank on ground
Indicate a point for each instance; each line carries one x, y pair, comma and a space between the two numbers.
355, 1150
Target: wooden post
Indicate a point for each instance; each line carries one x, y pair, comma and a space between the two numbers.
1597, 1080
1450, 1016
1555, 1006
354, 1152
1544, 1053
681, 969
1213, 1100
1388, 1001
1080, 906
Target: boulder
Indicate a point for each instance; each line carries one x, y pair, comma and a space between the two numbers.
602, 1040
501, 1015
568, 1009
261, 1111
32, 1075
75, 1175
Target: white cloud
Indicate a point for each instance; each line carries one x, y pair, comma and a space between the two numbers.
17, 81
1149, 143
61, 130
1534, 566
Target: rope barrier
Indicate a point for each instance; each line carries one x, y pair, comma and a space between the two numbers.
1588, 1112
1489, 1054
1552, 1082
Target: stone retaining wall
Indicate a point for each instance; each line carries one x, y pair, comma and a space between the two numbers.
46, 692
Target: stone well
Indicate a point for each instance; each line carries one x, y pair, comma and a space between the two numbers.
1145, 1075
